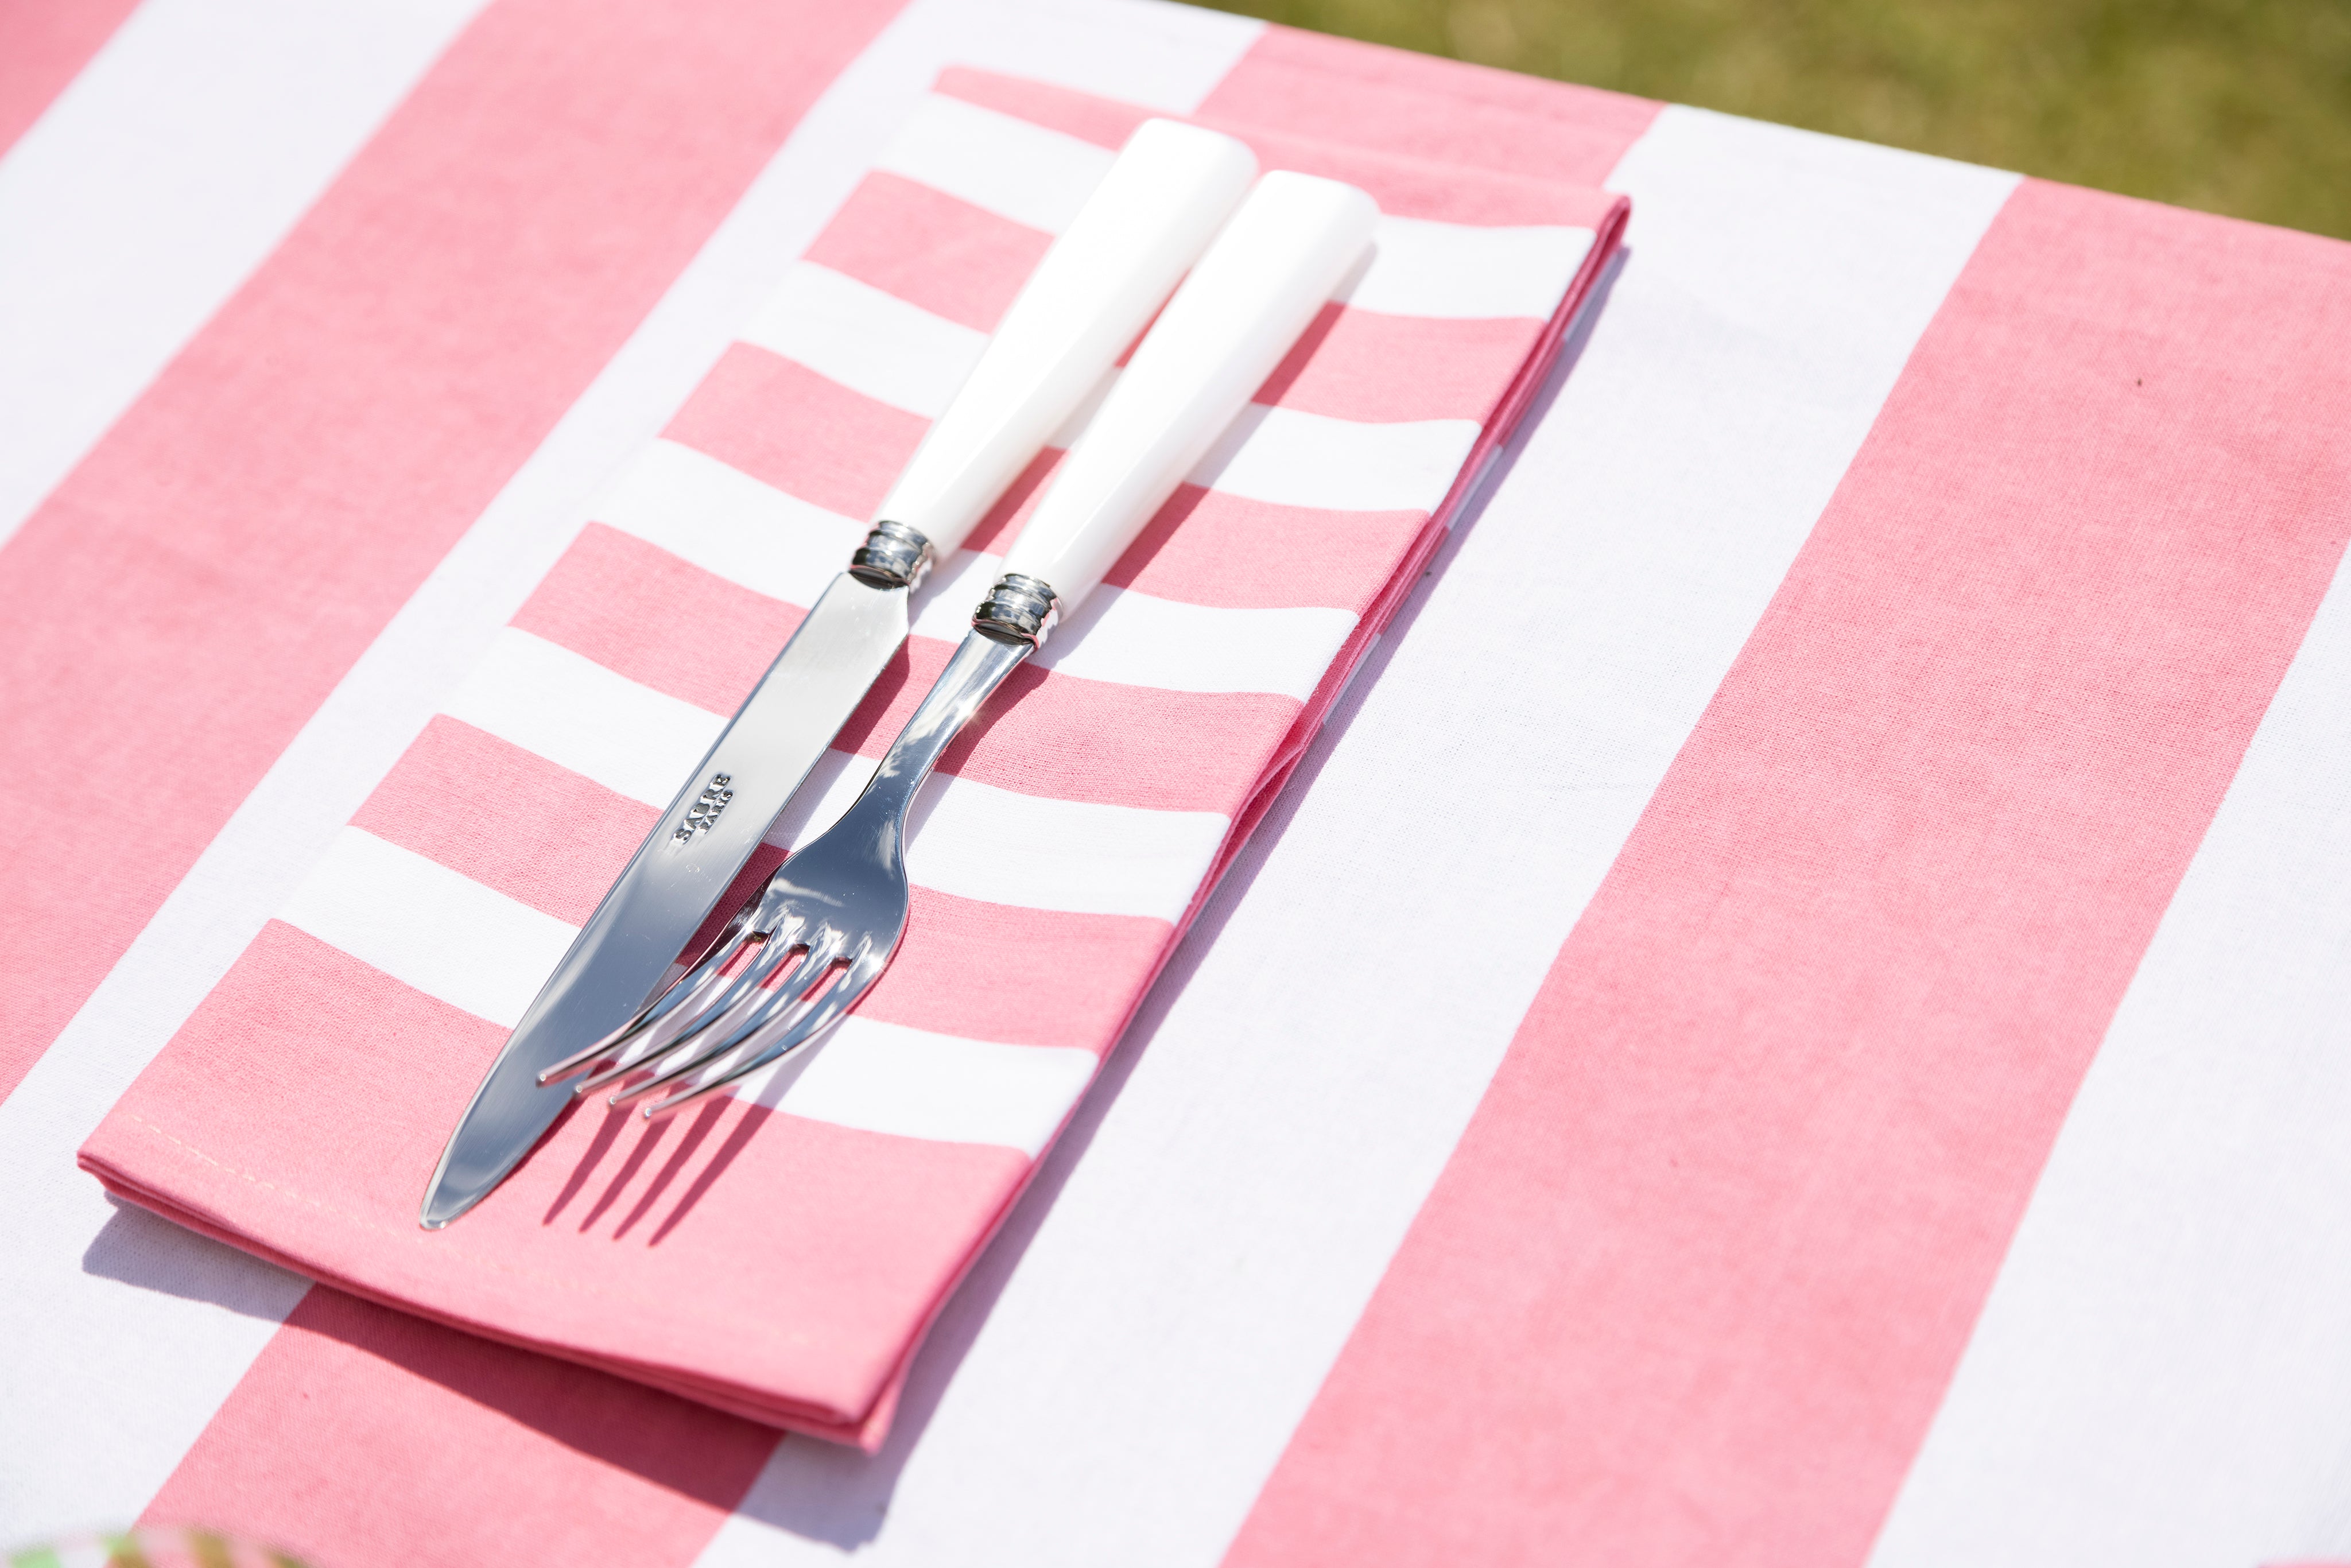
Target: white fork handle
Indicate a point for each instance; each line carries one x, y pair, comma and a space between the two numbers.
1147, 221
1260, 286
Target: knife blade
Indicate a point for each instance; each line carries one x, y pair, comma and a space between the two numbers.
1098, 286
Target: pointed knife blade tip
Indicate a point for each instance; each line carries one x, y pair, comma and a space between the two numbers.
440, 1207
446, 1200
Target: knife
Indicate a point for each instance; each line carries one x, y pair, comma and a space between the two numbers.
1164, 198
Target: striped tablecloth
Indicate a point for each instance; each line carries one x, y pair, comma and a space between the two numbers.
1796, 1013
784, 1266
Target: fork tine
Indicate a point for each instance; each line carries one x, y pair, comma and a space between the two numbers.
781, 1002
728, 1035
820, 1015
681, 1000
681, 993
664, 1041
742, 996
783, 952
653, 1042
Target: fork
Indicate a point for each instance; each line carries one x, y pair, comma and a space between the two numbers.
810, 943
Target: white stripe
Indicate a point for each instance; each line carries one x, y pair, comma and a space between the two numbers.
974, 841
886, 1078
1137, 640
869, 341
1117, 1388
1462, 272
729, 524
156, 183
124, 1332
1009, 167
574, 712
432, 929
2161, 1375
1297, 459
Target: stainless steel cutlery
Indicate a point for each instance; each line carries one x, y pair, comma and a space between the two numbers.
1153, 211
818, 935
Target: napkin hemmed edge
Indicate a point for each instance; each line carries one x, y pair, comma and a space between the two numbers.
864, 1432
1501, 425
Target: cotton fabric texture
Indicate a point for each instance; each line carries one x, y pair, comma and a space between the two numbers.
780, 1254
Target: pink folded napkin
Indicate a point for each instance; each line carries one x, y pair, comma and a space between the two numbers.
780, 1254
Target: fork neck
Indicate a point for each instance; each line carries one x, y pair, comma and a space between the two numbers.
977, 668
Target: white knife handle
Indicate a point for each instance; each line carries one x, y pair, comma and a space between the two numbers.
1260, 286
1149, 219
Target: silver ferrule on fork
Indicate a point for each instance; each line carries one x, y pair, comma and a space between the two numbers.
1018, 610
893, 556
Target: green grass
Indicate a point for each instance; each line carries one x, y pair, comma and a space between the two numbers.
2241, 107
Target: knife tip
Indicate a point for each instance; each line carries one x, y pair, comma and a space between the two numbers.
442, 1206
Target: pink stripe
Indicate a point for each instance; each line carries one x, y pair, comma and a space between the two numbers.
621, 1242
44, 45
1361, 365
511, 821
783, 423
369, 1439
1021, 977
1700, 1270
929, 249
1409, 186
634, 608
200, 583
1208, 547
1417, 106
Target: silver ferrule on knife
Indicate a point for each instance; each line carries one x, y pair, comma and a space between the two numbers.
894, 556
